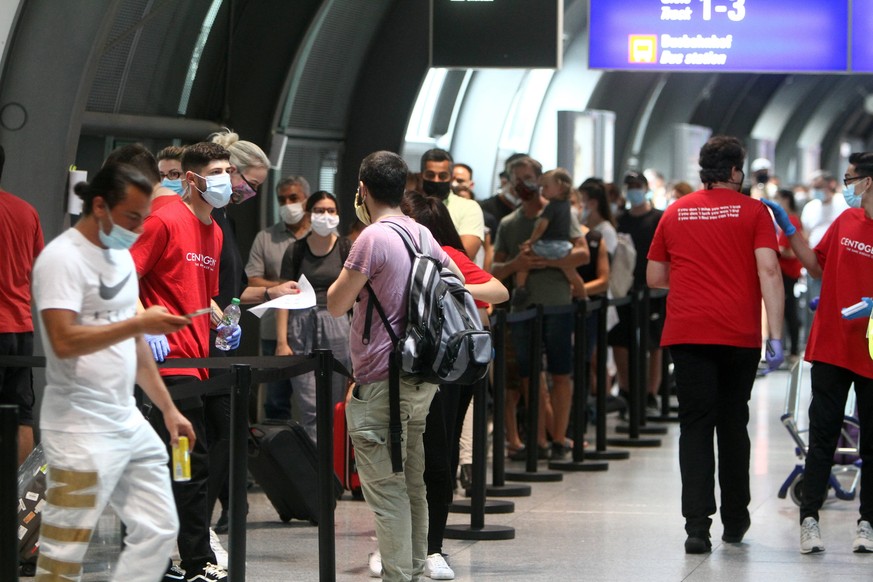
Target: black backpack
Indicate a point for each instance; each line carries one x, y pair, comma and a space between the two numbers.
443, 343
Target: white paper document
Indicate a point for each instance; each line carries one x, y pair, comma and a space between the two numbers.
303, 300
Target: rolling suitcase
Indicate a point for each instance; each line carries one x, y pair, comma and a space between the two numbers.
31, 499
344, 453
283, 460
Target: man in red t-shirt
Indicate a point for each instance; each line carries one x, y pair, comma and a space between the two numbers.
177, 260
715, 250
21, 241
838, 348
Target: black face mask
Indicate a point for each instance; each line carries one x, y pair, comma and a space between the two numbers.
439, 189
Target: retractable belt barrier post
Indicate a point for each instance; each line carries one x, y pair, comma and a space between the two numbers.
324, 429
477, 530
581, 381
499, 488
666, 413
636, 390
530, 473
643, 357
8, 493
239, 398
600, 451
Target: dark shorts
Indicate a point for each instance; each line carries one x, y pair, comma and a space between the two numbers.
622, 334
557, 344
16, 384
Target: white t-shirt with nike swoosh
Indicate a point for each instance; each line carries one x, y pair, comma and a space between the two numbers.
94, 392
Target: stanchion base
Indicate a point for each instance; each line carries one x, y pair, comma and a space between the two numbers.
662, 418
484, 533
632, 442
625, 429
491, 506
507, 490
538, 477
581, 466
608, 455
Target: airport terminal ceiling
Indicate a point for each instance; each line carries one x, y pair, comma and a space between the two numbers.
321, 83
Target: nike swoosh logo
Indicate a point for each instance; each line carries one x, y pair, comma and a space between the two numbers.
107, 292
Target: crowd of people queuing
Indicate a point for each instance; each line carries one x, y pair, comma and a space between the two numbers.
118, 292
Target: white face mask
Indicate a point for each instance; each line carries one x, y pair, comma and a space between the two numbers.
324, 224
218, 189
292, 213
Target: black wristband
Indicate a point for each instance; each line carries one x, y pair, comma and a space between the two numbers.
267, 294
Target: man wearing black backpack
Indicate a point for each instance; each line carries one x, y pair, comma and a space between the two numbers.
380, 260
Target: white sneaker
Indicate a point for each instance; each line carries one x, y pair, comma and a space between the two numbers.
436, 568
810, 537
209, 573
217, 549
374, 561
863, 543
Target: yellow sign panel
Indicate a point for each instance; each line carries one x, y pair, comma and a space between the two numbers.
642, 48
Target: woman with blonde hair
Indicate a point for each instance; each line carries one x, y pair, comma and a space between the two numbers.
249, 164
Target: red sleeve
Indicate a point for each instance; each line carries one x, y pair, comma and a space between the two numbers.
821, 249
38, 239
472, 273
150, 246
765, 231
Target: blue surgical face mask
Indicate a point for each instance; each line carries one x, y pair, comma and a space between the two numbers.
818, 194
118, 238
636, 196
218, 189
174, 185
852, 199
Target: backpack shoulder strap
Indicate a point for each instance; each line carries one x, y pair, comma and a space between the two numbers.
297, 256
345, 246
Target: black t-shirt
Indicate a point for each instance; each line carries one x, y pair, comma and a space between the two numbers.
497, 208
642, 231
557, 212
588, 272
231, 270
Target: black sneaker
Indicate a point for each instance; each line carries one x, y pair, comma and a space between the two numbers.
174, 574
209, 573
698, 544
734, 535
560, 452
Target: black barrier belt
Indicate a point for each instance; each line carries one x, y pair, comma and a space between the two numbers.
529, 314
619, 301
270, 369
22, 362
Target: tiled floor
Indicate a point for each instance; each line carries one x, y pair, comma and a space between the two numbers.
622, 524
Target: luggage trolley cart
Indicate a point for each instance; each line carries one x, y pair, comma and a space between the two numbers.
847, 463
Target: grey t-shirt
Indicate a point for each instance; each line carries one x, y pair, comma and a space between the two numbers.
320, 271
546, 286
265, 260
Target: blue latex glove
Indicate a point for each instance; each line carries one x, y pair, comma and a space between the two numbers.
235, 336
159, 346
774, 354
813, 304
864, 312
781, 217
